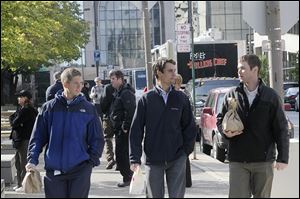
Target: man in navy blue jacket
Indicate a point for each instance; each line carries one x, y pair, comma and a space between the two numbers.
164, 120
69, 127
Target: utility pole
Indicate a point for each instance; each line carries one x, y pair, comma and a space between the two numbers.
147, 46
190, 21
96, 40
275, 54
162, 22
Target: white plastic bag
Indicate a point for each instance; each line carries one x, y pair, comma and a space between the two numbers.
137, 184
232, 121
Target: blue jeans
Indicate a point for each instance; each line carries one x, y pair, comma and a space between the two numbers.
175, 176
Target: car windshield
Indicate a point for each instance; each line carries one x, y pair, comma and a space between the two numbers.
220, 102
206, 86
292, 91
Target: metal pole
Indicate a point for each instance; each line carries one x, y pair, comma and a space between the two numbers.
190, 21
82, 63
96, 41
147, 45
275, 54
162, 22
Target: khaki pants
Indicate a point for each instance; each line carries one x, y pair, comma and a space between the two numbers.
247, 179
108, 136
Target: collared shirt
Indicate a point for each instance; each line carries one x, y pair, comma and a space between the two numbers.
163, 93
250, 94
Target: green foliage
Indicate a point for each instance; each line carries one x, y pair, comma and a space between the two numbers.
264, 71
294, 72
36, 33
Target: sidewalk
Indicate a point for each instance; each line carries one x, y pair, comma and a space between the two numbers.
209, 178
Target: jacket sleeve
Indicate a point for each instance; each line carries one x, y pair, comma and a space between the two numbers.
21, 117
136, 133
189, 130
129, 104
39, 137
95, 140
280, 130
221, 115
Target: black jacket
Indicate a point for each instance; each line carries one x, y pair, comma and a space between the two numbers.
169, 129
106, 99
265, 125
122, 108
52, 90
22, 122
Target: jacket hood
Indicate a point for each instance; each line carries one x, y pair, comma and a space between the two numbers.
127, 86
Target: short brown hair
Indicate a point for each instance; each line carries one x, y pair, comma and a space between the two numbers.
68, 74
252, 61
119, 74
160, 65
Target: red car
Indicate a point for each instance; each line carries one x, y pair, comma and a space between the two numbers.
211, 138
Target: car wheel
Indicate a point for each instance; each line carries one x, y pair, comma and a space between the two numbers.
217, 152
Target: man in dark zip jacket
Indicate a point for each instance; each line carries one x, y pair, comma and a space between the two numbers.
252, 152
121, 113
164, 120
70, 128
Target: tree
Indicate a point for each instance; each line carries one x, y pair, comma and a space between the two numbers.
294, 72
264, 71
39, 33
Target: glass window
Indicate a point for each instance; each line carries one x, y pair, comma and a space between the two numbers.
118, 14
132, 14
233, 34
233, 7
102, 27
125, 5
125, 14
217, 7
233, 22
218, 22
220, 102
102, 15
118, 5
110, 5
110, 14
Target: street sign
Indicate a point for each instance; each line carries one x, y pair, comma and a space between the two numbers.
254, 13
97, 55
184, 48
183, 27
183, 39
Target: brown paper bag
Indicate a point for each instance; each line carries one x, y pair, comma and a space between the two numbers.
232, 121
32, 182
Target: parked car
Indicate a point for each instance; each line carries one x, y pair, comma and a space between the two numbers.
287, 85
212, 142
202, 88
297, 103
210, 135
290, 95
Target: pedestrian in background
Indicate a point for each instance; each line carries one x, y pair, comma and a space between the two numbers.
122, 110
106, 99
95, 95
252, 151
22, 122
52, 90
70, 129
86, 90
188, 183
164, 120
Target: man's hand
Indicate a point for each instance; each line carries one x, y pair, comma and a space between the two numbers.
134, 167
30, 166
280, 166
231, 134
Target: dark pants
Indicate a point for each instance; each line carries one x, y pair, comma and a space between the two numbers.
175, 176
21, 161
122, 155
247, 179
188, 173
99, 111
73, 184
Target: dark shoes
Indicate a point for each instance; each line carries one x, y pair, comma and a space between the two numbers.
123, 184
110, 164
